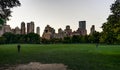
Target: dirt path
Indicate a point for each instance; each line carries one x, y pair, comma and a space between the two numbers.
39, 66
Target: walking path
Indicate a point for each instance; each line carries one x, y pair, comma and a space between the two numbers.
39, 66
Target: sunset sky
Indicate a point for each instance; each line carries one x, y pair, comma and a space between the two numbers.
59, 13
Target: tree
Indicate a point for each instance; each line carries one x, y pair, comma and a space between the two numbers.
2, 40
94, 38
67, 40
45, 41
10, 38
5, 8
111, 29
33, 38
75, 39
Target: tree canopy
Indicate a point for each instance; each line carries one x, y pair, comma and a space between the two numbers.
5, 8
111, 29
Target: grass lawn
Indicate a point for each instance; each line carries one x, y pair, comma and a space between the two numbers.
75, 56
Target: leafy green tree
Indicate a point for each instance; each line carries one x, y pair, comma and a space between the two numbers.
76, 39
5, 8
45, 41
2, 40
95, 37
84, 39
33, 38
56, 40
67, 40
10, 37
111, 29
1, 21
22, 39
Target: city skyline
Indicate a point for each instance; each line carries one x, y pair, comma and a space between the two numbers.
59, 13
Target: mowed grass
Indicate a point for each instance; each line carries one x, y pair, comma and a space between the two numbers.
75, 56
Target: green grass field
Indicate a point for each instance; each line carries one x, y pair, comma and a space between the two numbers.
75, 56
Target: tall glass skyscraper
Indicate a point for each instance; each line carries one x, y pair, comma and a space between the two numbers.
82, 25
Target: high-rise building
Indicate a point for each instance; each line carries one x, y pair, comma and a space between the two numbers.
30, 27
48, 33
23, 28
68, 31
6, 28
92, 30
82, 28
60, 30
82, 25
17, 30
38, 30
60, 34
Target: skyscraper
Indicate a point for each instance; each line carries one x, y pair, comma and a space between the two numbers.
48, 33
68, 31
23, 28
30, 27
82, 25
6, 28
82, 28
17, 30
92, 30
38, 30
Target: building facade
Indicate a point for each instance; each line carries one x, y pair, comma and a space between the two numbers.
30, 27
82, 25
38, 30
92, 29
17, 30
61, 34
23, 29
48, 33
68, 31
82, 28
6, 28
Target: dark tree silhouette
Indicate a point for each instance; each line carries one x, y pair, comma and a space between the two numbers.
5, 8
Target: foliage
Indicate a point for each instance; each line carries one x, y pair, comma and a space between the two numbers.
51, 41
1, 21
111, 29
94, 38
45, 41
10, 38
67, 40
5, 8
56, 40
33, 38
2, 40
30, 38
75, 39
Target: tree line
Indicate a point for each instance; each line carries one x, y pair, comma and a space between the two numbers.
32, 38
92, 38
10, 38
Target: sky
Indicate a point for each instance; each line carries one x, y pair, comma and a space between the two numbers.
59, 13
